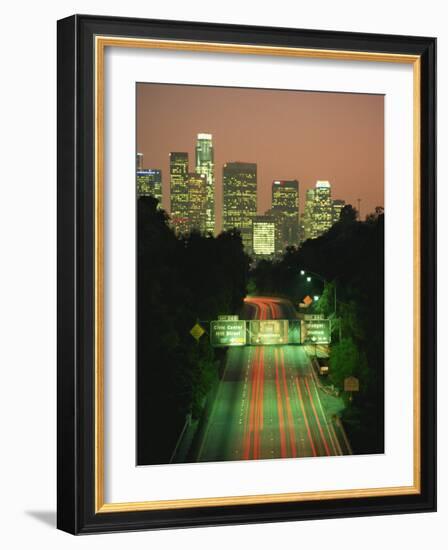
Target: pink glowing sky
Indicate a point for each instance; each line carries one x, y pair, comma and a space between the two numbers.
306, 136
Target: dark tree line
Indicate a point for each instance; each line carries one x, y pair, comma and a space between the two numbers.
180, 280
349, 256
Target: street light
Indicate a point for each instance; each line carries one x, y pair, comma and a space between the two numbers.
303, 272
315, 298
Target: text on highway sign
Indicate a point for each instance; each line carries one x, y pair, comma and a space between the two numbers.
228, 333
316, 332
266, 332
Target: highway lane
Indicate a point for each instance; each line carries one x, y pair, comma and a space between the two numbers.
268, 404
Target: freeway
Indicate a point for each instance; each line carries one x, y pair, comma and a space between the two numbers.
268, 403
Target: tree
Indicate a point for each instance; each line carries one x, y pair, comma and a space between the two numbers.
346, 360
179, 281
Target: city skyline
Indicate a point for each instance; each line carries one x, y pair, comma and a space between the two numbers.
352, 120
277, 228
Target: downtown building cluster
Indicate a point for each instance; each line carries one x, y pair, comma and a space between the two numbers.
192, 201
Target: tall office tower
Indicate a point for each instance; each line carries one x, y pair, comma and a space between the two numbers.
197, 201
338, 205
205, 165
302, 229
179, 191
239, 201
263, 236
318, 210
139, 162
323, 208
308, 215
278, 221
285, 203
149, 184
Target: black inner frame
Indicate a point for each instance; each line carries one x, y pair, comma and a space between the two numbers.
76, 390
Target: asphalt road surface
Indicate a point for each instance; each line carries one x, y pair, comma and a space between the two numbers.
268, 404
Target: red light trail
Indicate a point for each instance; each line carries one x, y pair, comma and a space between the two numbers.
269, 404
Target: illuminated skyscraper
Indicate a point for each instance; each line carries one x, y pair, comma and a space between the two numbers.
205, 165
308, 215
149, 184
323, 208
239, 204
263, 236
179, 191
276, 217
338, 205
139, 162
285, 205
318, 210
197, 200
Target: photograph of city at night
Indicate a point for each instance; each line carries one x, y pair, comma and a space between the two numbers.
260, 273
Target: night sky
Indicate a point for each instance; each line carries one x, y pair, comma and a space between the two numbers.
289, 134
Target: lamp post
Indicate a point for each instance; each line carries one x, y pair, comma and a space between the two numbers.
310, 274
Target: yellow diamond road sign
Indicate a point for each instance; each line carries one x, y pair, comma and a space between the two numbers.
197, 331
307, 300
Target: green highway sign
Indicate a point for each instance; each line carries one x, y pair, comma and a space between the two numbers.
316, 331
294, 331
228, 317
228, 333
314, 316
268, 332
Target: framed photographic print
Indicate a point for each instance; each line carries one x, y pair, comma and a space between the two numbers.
246, 271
